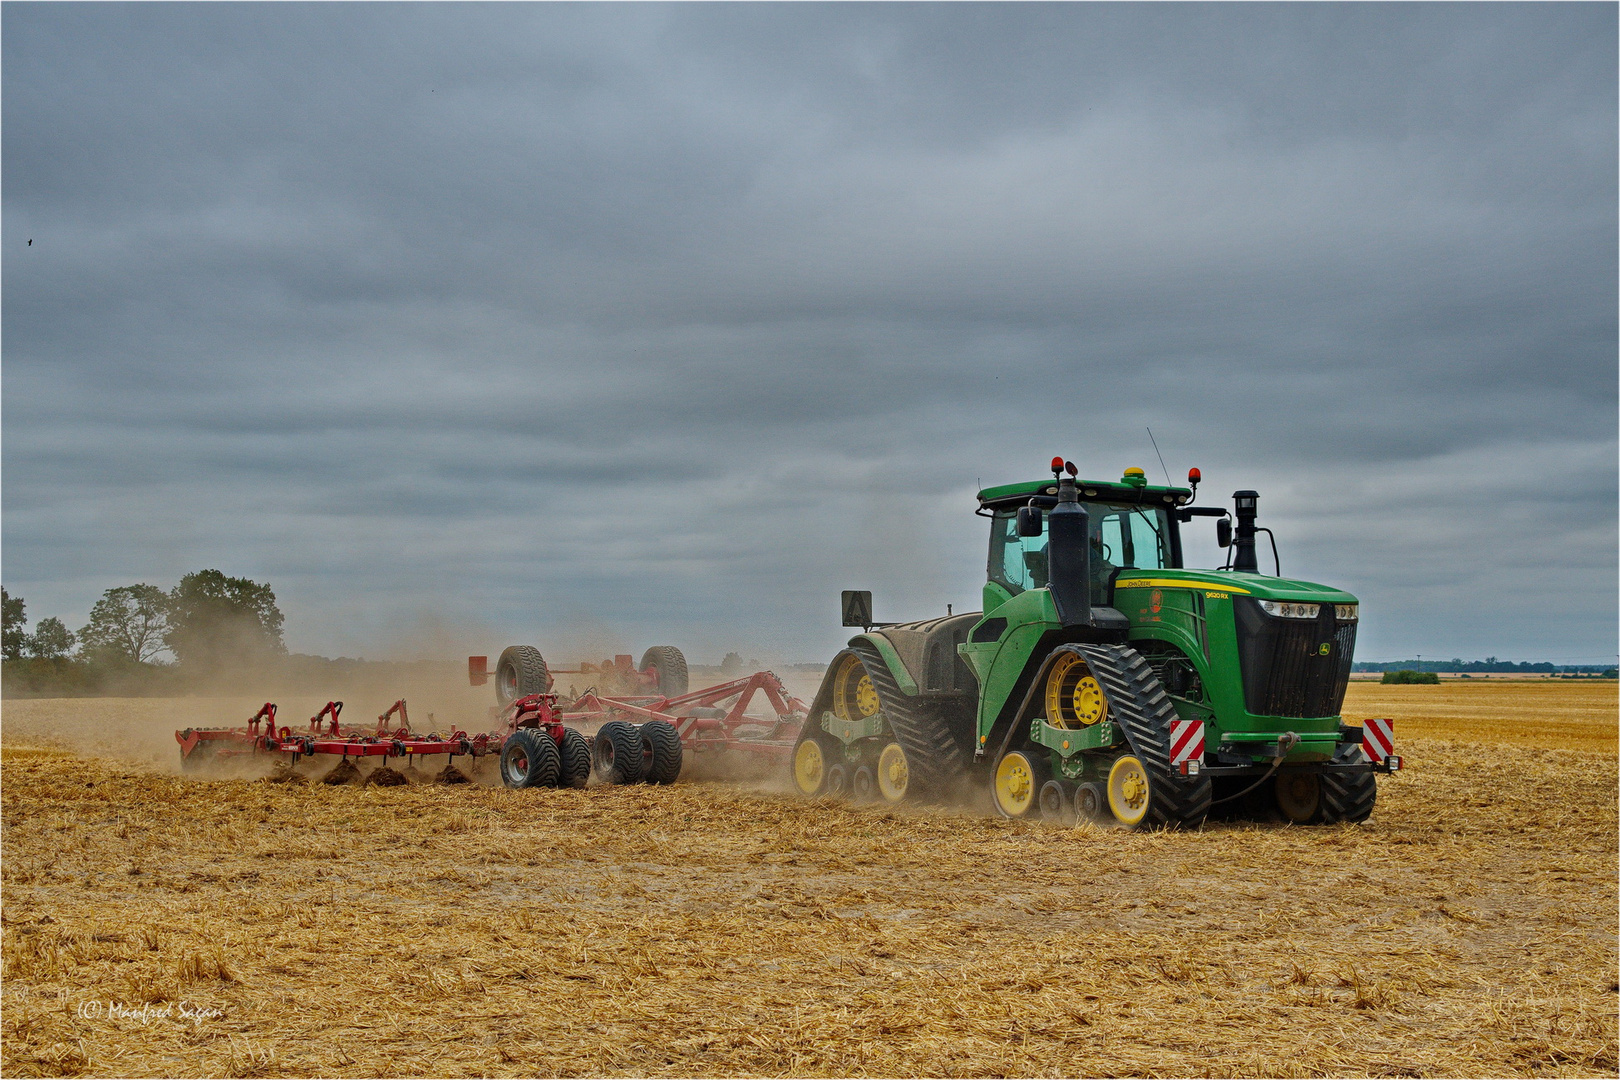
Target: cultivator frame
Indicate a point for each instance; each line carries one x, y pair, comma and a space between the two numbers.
632, 738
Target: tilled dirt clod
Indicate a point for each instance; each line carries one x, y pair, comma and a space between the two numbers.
386, 777
451, 775
284, 774
345, 773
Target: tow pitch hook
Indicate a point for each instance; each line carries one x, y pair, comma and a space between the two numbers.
1285, 742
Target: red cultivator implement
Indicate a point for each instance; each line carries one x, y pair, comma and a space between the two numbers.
541, 741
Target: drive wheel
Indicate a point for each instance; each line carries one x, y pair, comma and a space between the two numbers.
661, 752
618, 753
576, 760
854, 695
893, 773
519, 672
809, 767
1074, 697
670, 666
1128, 791
1017, 783
1299, 796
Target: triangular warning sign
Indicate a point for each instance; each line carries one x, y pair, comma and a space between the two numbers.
857, 608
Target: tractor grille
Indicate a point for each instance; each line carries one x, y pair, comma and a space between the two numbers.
1285, 671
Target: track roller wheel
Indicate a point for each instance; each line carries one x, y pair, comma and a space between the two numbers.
1299, 795
809, 767
1017, 783
618, 753
1091, 801
670, 665
893, 773
520, 671
837, 781
575, 754
863, 785
660, 751
1056, 806
529, 758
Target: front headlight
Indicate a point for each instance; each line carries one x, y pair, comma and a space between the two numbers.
1347, 612
1290, 610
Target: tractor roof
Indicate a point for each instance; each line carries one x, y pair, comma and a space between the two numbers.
1010, 495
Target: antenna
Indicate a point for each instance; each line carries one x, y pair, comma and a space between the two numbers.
1168, 482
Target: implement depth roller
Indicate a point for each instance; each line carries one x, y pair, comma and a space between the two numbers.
1104, 680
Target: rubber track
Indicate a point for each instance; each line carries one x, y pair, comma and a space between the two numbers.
933, 755
1348, 796
1143, 711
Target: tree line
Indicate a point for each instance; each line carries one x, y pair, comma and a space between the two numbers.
206, 623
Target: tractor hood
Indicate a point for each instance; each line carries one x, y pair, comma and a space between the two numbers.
1258, 586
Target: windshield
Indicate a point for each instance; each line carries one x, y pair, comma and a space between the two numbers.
1122, 537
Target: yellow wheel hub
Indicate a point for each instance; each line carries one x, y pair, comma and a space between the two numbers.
854, 696
1015, 784
893, 774
1128, 790
1074, 698
809, 767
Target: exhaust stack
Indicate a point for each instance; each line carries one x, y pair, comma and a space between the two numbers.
1243, 555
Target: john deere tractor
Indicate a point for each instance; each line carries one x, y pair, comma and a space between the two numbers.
1103, 678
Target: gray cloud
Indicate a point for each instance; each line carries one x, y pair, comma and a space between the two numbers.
674, 320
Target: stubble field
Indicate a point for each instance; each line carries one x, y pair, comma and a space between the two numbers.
162, 925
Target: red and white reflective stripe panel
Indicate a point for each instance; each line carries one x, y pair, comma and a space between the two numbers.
1186, 741
1378, 738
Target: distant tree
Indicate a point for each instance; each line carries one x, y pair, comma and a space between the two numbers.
1408, 677
13, 636
127, 623
731, 665
50, 640
214, 620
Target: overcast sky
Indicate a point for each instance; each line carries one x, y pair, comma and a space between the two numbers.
600, 327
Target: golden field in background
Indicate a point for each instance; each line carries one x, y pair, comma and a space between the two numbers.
721, 929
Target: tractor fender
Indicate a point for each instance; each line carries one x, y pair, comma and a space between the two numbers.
922, 656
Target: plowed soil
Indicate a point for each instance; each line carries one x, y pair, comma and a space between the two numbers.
156, 924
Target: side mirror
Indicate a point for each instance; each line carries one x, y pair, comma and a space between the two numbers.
1223, 532
1029, 521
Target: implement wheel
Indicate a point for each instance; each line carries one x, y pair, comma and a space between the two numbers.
893, 773
809, 767
576, 760
670, 665
619, 756
529, 758
520, 671
661, 752
1017, 782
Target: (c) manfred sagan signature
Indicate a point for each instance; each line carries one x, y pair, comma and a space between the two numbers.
170, 1010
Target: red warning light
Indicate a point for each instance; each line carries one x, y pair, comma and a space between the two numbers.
1193, 476
1057, 465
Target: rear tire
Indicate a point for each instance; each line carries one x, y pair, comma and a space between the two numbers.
661, 751
670, 665
529, 758
519, 672
576, 760
618, 753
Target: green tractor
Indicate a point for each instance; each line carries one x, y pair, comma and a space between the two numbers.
1103, 679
